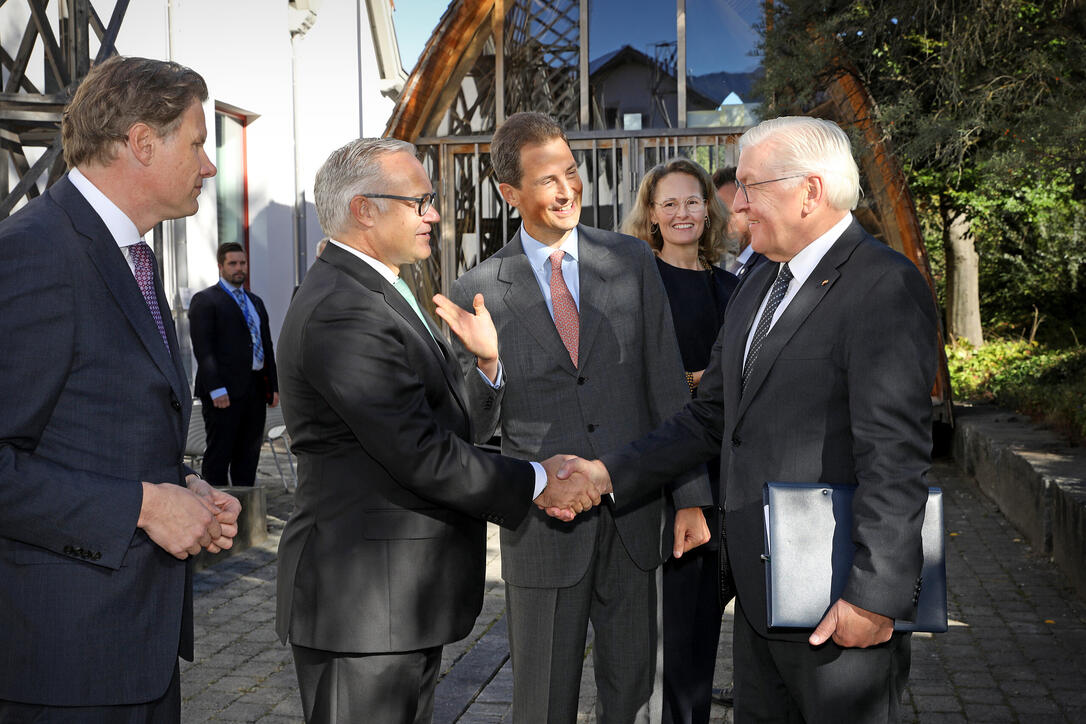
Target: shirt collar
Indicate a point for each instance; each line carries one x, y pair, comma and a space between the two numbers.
803, 263
120, 226
539, 253
228, 286
378, 266
745, 255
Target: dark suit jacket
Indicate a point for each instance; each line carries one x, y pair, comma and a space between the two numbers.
91, 611
840, 394
629, 378
223, 346
385, 549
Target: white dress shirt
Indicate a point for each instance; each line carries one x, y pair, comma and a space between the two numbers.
121, 227
801, 266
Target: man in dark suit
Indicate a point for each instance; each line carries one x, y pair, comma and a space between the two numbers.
738, 228
821, 372
97, 512
589, 362
382, 561
235, 375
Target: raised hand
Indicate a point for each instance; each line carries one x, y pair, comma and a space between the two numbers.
852, 627
476, 331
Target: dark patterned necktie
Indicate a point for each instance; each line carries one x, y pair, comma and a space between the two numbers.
776, 294
566, 319
254, 330
143, 260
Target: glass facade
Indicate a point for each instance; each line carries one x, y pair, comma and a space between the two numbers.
230, 183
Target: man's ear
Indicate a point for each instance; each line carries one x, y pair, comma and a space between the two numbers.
362, 211
814, 193
510, 194
141, 142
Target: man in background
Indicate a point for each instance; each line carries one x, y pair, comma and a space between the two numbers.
97, 511
235, 373
738, 226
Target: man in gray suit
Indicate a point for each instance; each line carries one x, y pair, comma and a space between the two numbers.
97, 511
589, 361
821, 373
382, 561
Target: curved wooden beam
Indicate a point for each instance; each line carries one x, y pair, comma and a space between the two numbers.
446, 59
855, 107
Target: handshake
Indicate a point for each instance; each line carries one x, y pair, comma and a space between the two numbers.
574, 485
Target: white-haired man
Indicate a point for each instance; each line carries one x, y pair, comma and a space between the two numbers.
821, 372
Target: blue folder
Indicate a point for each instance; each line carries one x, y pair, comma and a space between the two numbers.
808, 555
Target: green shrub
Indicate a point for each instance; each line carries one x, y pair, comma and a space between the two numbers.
1048, 385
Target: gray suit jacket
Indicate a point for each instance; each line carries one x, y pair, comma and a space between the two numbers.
840, 394
629, 378
385, 549
91, 610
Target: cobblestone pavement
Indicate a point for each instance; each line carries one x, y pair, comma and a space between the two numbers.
1015, 652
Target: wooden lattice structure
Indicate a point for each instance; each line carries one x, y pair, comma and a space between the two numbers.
30, 116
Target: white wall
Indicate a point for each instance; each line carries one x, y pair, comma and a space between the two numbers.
243, 50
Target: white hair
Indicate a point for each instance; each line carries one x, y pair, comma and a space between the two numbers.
803, 145
350, 171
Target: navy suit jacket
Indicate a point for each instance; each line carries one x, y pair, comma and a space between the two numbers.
840, 394
223, 346
92, 612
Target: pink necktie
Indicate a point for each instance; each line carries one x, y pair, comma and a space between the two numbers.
566, 319
144, 262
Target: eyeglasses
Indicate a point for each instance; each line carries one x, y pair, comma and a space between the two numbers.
694, 205
423, 203
743, 187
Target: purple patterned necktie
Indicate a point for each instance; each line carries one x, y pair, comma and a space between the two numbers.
144, 262
566, 319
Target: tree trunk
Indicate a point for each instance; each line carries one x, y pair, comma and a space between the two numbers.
962, 277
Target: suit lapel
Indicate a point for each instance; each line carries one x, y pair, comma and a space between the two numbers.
821, 280
112, 266
526, 302
369, 277
594, 262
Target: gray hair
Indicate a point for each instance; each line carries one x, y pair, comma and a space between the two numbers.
353, 170
810, 146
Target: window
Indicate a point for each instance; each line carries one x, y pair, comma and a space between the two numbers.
231, 182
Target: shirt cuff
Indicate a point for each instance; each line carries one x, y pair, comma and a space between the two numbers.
217, 393
496, 383
540, 480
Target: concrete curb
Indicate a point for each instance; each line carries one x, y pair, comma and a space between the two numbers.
1037, 480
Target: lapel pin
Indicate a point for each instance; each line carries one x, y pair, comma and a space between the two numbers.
824, 282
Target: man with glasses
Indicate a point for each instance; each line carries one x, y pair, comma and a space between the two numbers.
382, 561
821, 373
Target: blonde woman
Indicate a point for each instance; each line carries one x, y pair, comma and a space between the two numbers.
678, 214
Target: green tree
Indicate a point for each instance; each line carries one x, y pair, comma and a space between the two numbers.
983, 102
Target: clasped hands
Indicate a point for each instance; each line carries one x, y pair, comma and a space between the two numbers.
574, 486
184, 520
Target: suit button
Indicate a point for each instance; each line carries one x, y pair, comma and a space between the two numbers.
175, 403
68, 551
581, 380
97, 555
591, 427
736, 442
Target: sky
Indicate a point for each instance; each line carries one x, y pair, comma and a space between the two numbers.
719, 36
415, 22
